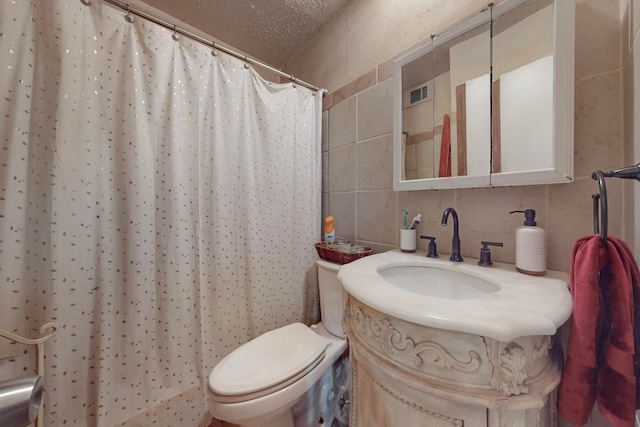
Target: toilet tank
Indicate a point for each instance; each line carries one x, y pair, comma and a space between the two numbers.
332, 297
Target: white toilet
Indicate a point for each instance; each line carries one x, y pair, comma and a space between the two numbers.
258, 383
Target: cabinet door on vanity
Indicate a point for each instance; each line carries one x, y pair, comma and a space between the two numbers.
385, 398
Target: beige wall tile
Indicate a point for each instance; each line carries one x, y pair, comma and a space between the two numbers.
327, 101
385, 70
325, 172
374, 170
325, 131
342, 171
375, 112
570, 217
598, 124
355, 86
325, 213
484, 215
425, 158
628, 232
628, 99
343, 208
635, 13
626, 36
628, 95
597, 51
376, 211
410, 162
342, 123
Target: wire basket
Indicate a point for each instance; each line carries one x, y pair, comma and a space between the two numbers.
339, 257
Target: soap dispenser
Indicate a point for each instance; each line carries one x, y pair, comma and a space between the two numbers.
531, 246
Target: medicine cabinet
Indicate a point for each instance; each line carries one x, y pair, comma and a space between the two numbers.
489, 102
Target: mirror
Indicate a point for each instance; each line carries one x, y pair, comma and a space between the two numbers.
490, 102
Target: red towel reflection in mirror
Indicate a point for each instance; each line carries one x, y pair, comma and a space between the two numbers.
445, 148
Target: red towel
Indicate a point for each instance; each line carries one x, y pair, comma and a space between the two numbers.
601, 353
444, 168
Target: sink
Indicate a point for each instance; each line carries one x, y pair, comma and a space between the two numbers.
436, 282
495, 302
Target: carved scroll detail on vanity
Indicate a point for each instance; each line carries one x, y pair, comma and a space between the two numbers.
513, 370
393, 343
542, 349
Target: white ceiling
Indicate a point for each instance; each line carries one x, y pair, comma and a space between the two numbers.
273, 31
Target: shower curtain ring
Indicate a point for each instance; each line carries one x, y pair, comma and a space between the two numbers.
175, 35
128, 17
214, 52
86, 2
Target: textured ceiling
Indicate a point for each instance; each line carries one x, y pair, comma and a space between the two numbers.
273, 31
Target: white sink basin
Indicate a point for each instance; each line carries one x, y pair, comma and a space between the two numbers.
495, 302
438, 283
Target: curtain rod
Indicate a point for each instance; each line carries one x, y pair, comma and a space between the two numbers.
132, 11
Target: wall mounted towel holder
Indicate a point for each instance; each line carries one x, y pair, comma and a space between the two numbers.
600, 208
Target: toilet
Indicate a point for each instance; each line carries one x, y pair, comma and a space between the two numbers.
258, 383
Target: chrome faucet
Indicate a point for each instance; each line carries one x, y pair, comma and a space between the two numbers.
455, 242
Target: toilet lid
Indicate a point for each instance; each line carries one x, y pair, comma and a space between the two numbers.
268, 360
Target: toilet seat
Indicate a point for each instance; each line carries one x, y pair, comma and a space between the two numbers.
268, 363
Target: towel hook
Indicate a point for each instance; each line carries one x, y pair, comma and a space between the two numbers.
599, 175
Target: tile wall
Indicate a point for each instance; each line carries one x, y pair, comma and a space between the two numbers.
630, 47
357, 137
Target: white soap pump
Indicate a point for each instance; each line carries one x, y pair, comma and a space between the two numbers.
531, 246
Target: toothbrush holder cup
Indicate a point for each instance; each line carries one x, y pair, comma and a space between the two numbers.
408, 238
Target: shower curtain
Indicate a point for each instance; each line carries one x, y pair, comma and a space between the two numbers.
157, 201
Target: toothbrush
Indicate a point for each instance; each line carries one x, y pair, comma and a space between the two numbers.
405, 212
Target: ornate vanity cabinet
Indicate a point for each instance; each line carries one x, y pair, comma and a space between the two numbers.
440, 343
405, 374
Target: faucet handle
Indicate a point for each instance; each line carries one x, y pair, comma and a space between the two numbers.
485, 253
433, 251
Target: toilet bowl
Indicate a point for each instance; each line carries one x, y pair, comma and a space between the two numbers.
258, 383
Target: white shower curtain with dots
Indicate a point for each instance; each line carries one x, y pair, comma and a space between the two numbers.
159, 202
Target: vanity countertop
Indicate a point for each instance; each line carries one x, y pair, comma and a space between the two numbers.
522, 306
